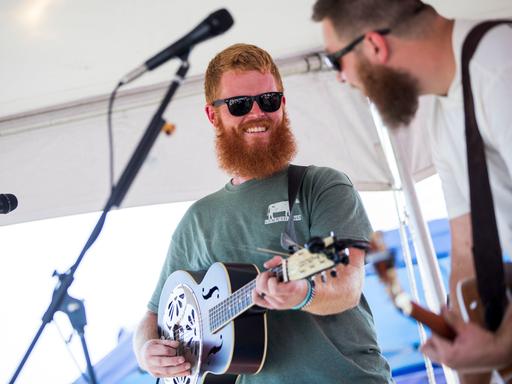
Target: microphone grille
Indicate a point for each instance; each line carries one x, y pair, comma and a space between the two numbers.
8, 203
220, 21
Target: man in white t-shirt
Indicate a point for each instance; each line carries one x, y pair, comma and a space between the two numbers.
396, 50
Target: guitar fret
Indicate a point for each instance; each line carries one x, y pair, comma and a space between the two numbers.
235, 304
231, 307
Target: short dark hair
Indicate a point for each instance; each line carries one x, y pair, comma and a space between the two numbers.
353, 17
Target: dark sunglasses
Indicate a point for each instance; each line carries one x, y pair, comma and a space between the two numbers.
332, 60
242, 105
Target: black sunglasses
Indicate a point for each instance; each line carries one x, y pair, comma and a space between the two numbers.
242, 105
332, 60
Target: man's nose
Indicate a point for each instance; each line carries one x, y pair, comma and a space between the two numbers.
341, 77
256, 110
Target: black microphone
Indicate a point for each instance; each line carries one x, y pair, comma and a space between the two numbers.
8, 203
216, 23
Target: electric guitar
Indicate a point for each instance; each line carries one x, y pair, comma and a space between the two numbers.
471, 307
211, 313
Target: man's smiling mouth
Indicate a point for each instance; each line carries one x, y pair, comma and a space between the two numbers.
256, 130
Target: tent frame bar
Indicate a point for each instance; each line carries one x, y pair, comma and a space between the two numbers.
133, 98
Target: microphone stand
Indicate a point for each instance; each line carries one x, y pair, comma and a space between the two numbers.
61, 301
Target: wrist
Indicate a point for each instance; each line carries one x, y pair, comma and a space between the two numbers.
310, 293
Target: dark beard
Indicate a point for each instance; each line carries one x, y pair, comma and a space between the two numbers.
256, 160
394, 93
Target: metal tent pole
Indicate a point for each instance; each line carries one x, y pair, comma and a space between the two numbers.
435, 293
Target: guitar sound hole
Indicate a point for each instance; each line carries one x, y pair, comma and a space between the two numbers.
181, 323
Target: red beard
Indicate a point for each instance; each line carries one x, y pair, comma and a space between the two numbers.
258, 159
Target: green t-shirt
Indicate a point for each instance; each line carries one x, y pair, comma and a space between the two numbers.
229, 225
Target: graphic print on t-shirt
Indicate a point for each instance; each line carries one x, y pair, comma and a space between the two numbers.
280, 211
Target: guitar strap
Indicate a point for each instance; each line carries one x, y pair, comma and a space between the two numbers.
296, 174
487, 253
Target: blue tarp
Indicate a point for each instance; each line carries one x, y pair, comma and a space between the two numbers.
398, 335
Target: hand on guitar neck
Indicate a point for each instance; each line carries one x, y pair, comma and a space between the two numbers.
270, 293
474, 349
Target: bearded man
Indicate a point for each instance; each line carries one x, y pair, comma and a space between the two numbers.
322, 334
396, 50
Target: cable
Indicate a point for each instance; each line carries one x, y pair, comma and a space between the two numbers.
73, 358
111, 134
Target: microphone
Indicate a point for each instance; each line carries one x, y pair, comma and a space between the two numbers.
8, 203
216, 23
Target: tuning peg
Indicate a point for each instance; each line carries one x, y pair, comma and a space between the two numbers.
342, 257
315, 245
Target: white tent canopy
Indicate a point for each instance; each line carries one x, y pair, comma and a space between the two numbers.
60, 61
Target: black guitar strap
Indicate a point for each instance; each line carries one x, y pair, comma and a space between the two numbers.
296, 174
487, 253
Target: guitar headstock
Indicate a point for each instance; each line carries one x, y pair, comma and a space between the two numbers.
319, 255
381, 257
383, 261
303, 264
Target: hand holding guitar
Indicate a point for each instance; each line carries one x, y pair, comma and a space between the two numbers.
161, 358
274, 294
474, 349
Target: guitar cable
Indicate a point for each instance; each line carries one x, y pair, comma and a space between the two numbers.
111, 133
67, 342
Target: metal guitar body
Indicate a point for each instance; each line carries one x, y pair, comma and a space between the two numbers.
184, 315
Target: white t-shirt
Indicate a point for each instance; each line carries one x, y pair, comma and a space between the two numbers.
491, 81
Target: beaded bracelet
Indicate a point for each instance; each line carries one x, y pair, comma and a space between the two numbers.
311, 297
307, 300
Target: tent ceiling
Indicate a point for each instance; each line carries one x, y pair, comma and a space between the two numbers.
54, 51
82, 48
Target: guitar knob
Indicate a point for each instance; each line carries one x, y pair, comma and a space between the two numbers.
323, 277
334, 273
315, 245
344, 259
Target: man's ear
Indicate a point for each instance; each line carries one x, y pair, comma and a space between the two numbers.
210, 112
376, 48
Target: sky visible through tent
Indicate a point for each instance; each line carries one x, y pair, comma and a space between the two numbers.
116, 278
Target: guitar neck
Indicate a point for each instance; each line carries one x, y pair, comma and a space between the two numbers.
235, 304
384, 263
435, 322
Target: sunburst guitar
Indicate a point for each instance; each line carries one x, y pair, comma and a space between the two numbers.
211, 313
471, 307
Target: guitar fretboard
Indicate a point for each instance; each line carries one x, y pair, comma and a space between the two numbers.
236, 304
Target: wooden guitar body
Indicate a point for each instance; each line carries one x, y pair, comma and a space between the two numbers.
185, 315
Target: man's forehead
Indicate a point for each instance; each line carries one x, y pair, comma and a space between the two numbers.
248, 81
332, 38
